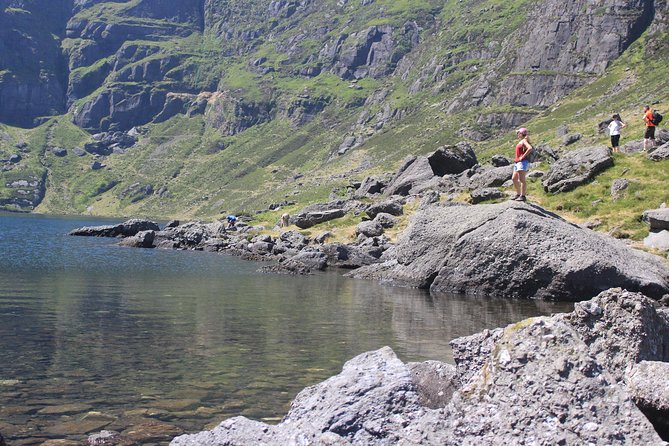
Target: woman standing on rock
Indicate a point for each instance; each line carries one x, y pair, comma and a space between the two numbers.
521, 164
614, 130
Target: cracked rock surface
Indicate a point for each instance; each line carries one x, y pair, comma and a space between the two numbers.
543, 381
516, 250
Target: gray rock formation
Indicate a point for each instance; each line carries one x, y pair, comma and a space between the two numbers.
435, 382
481, 178
513, 250
649, 386
370, 186
658, 219
385, 220
571, 138
127, 229
26, 191
348, 256
485, 194
657, 240
451, 160
59, 151
576, 168
414, 172
659, 154
419, 173
632, 147
556, 380
369, 228
306, 220
391, 206
500, 161
302, 263
143, 239
618, 186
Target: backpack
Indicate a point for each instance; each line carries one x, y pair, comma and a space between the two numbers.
657, 118
534, 155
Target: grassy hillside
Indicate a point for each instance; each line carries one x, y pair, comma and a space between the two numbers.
188, 167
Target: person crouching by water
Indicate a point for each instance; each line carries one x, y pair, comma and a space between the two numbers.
521, 164
232, 221
614, 131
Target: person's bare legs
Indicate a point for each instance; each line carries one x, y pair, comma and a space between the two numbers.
523, 183
516, 182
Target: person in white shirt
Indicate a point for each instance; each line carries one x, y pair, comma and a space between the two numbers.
614, 130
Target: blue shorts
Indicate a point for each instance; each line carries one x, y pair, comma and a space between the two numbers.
521, 165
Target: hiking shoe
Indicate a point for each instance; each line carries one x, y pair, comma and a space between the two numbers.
521, 198
515, 197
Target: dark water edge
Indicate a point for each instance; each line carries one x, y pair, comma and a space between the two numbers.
154, 343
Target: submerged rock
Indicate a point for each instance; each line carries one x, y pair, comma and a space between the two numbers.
514, 250
546, 380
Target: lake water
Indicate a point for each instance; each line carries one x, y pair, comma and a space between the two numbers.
153, 343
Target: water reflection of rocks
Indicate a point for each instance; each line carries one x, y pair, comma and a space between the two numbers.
418, 316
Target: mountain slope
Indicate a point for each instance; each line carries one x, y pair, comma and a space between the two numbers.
240, 104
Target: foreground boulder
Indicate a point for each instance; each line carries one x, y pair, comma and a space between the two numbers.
515, 250
547, 380
576, 168
649, 387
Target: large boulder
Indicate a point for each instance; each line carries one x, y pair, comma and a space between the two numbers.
126, 229
658, 219
415, 172
481, 178
544, 380
547, 380
516, 250
659, 154
349, 256
369, 228
647, 382
500, 161
576, 168
370, 186
450, 160
657, 240
143, 239
485, 194
392, 207
308, 219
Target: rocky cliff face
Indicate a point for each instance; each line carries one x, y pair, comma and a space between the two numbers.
33, 78
559, 47
113, 64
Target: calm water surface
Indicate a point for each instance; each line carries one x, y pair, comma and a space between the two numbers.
153, 343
